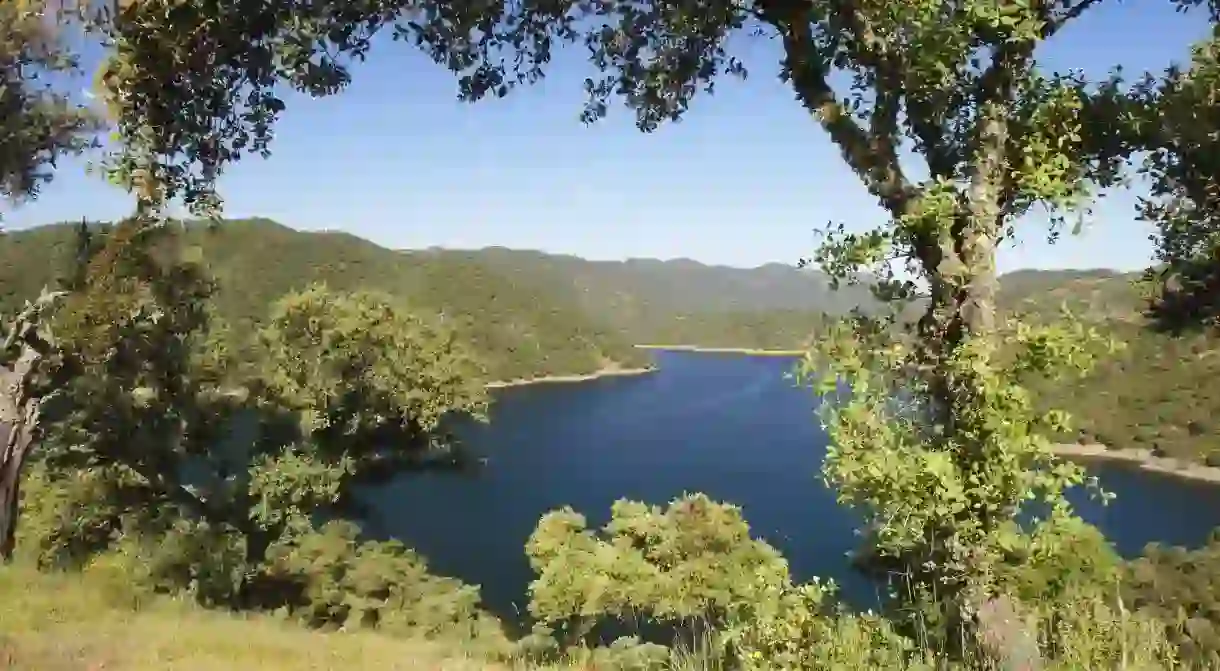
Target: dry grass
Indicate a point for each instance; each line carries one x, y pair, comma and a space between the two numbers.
69, 623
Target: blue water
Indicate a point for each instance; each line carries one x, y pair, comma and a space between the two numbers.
727, 425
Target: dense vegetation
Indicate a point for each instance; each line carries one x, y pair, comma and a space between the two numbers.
529, 314
1157, 393
156, 448
519, 335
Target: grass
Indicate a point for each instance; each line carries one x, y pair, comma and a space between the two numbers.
87, 622
68, 622
92, 622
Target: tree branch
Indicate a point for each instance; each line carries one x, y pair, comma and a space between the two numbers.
872, 155
1054, 24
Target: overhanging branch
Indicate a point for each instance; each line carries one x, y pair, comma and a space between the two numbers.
1055, 23
871, 154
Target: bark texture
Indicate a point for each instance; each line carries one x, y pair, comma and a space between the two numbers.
20, 412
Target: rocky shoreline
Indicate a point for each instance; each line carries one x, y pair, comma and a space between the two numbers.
557, 379
726, 350
1142, 459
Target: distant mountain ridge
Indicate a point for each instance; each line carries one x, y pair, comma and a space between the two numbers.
534, 313
628, 296
649, 301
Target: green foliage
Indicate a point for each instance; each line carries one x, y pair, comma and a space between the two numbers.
341, 581
1060, 556
938, 441
928, 510
356, 367
751, 617
1155, 392
192, 86
38, 122
1090, 633
790, 627
1158, 394
1184, 203
147, 473
1179, 587
683, 565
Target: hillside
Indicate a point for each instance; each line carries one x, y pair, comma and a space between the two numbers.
63, 622
649, 301
530, 313
1095, 294
523, 329
653, 301
1159, 393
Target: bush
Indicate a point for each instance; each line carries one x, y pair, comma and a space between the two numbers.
329, 578
684, 565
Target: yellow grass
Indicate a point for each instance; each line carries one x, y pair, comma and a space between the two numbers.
66, 622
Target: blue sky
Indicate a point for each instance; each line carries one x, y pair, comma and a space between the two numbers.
743, 180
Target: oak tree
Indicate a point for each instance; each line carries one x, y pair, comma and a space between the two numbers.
1183, 162
39, 124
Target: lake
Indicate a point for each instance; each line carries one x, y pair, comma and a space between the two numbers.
728, 425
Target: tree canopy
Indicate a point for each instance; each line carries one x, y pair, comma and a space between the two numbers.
1184, 203
39, 122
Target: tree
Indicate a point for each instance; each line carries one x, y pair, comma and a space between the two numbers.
956, 82
1184, 139
38, 125
348, 388
28, 370
193, 85
685, 566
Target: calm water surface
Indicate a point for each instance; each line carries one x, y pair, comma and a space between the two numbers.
728, 425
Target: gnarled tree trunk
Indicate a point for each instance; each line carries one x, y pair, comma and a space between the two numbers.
20, 407
19, 414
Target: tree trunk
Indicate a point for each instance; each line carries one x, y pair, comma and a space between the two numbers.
19, 415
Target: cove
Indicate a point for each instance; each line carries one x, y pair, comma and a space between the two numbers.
729, 425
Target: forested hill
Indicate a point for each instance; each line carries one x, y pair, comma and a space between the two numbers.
1159, 393
521, 329
529, 313
680, 301
1094, 294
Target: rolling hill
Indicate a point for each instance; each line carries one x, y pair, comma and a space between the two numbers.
1159, 393
649, 301
521, 329
530, 313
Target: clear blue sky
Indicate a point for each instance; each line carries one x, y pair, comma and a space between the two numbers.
742, 181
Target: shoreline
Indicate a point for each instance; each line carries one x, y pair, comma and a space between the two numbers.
567, 379
748, 351
1142, 459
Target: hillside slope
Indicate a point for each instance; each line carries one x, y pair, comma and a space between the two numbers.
648, 299
529, 312
80, 622
523, 329
1160, 393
